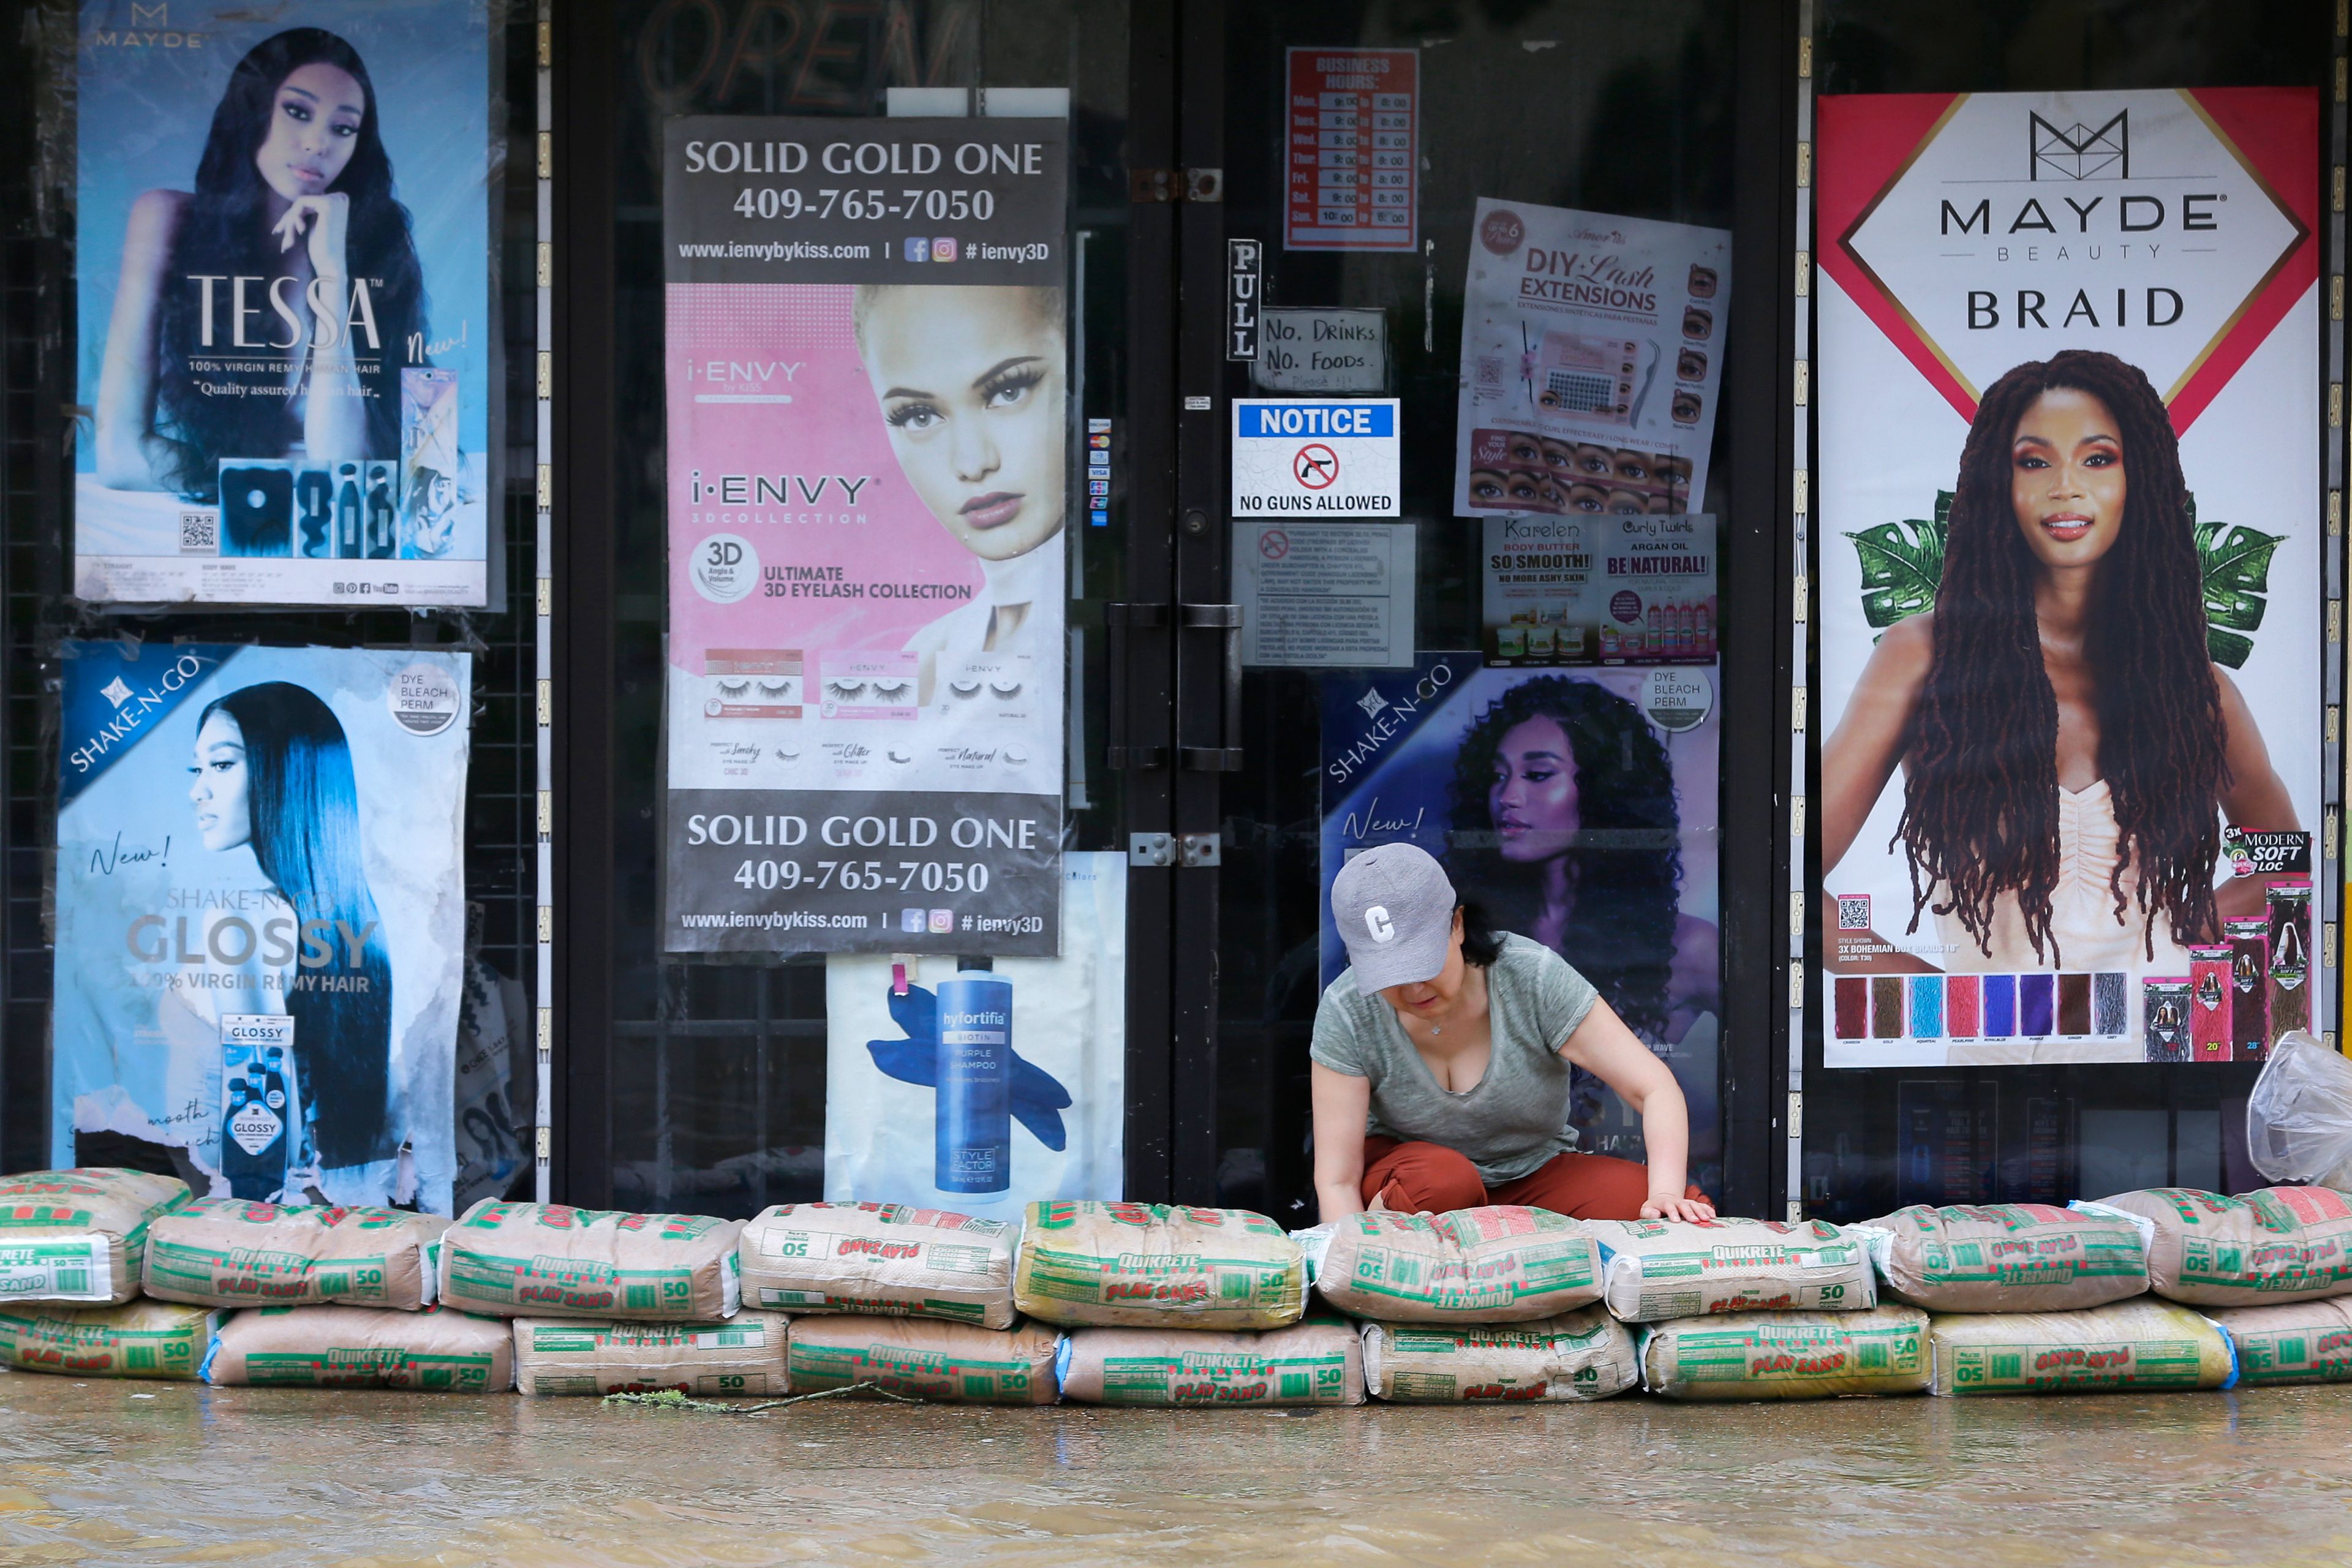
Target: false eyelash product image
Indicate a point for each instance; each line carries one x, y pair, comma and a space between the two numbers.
2289, 899
2165, 1004
2208, 1002
1928, 1007
2075, 1005
1886, 1018
2110, 1004
1962, 997
1852, 1007
2000, 1006
2035, 1005
2250, 1000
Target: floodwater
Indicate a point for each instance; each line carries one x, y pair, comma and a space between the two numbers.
120, 1472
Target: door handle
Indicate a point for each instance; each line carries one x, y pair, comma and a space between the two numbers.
1226, 757
1118, 753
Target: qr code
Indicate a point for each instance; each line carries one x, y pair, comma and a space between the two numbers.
1854, 911
200, 534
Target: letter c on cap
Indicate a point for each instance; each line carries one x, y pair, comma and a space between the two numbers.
1377, 922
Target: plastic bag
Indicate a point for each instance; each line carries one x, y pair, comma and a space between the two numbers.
2299, 1117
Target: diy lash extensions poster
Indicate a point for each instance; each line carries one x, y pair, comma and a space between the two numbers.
869, 479
2068, 575
1591, 362
283, 284
261, 917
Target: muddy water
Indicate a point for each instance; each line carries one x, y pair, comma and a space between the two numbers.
95, 1473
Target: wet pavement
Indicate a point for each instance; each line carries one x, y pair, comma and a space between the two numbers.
109, 1472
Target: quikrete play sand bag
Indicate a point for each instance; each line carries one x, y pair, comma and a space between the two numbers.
2302, 1341
1656, 1269
430, 1351
226, 1252
1117, 1265
2278, 1244
955, 1363
1491, 1264
77, 1235
550, 1260
138, 1339
880, 1259
1583, 1354
744, 1355
1788, 1356
2139, 1345
1320, 1361
2006, 1258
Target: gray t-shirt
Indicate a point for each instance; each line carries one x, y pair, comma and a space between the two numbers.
1512, 1120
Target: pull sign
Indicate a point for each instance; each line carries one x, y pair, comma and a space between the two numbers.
1245, 264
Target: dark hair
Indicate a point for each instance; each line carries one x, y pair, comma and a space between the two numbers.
224, 234
303, 802
1980, 761
1625, 860
1482, 943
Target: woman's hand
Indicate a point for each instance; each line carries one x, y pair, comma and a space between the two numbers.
1667, 1206
327, 218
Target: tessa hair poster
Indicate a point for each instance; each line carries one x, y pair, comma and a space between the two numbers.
2068, 569
260, 918
284, 254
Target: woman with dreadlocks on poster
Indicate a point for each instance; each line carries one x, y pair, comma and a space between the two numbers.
2064, 736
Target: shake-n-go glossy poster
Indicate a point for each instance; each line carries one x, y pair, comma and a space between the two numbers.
284, 257
868, 476
2069, 575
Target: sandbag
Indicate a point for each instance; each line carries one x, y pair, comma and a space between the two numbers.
1153, 1265
2301, 1341
1583, 1354
138, 1339
1496, 1265
2006, 1258
744, 1355
434, 1351
1788, 1356
1320, 1361
880, 1259
958, 1362
2139, 1345
552, 1260
2280, 1244
1656, 1269
228, 1252
77, 1235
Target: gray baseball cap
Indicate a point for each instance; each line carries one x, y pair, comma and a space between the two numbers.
1394, 909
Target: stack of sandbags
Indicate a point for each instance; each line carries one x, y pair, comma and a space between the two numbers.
70, 1244
1180, 1305
1481, 1305
1752, 1308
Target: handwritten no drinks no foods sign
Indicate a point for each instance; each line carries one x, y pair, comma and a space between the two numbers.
1293, 458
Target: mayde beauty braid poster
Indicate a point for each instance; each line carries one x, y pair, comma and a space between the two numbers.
283, 284
869, 472
260, 917
2069, 575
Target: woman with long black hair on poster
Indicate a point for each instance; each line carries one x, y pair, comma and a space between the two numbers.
273, 770
2068, 747
292, 248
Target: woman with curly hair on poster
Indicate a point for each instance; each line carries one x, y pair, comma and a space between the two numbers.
2069, 749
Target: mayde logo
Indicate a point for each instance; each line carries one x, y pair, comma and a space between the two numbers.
2079, 152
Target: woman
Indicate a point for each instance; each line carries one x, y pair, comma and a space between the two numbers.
2064, 735
970, 381
274, 770
1565, 825
291, 248
1442, 1060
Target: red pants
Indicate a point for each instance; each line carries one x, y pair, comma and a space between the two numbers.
1429, 1177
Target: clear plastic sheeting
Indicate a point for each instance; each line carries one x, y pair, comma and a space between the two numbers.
2299, 1117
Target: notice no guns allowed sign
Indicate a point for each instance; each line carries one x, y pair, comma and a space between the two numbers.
1293, 458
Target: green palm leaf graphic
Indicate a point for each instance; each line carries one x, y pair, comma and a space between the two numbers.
1903, 565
